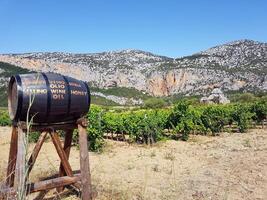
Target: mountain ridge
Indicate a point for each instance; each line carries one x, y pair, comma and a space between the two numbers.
236, 65
132, 49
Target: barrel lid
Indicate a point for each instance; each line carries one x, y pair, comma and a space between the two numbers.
14, 97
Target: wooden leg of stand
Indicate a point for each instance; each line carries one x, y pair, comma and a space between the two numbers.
20, 174
84, 164
36, 151
62, 156
67, 147
12, 158
61, 153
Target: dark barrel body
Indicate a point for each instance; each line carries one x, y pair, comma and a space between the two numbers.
47, 98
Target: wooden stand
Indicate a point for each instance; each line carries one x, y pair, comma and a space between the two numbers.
17, 174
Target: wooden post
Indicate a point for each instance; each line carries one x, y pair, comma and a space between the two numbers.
84, 161
12, 158
20, 173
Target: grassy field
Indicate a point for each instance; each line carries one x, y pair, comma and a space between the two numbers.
230, 166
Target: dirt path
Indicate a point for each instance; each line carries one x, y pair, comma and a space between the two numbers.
230, 166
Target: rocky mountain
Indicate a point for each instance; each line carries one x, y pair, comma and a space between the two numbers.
239, 65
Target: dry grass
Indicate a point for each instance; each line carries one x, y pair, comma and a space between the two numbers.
230, 166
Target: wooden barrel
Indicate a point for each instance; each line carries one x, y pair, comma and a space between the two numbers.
47, 98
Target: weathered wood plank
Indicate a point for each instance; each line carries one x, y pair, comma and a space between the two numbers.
12, 158
44, 185
53, 183
20, 173
84, 162
49, 127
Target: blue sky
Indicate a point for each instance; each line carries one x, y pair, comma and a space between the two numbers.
166, 27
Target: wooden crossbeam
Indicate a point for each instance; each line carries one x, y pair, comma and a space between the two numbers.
45, 185
53, 183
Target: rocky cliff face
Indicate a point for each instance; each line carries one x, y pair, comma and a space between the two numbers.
233, 66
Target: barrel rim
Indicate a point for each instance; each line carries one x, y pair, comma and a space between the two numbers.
88, 94
14, 79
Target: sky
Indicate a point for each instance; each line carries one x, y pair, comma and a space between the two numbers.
171, 28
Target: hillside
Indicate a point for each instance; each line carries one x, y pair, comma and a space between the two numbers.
239, 65
110, 96
7, 70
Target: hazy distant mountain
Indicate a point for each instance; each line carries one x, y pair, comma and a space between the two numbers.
233, 66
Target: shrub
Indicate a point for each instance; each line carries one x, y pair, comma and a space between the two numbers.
131, 125
94, 129
195, 115
113, 122
260, 110
154, 103
214, 118
185, 119
185, 126
4, 118
243, 98
241, 114
33, 137
150, 126
178, 112
95, 132
145, 126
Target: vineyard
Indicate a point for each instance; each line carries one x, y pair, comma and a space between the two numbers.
177, 122
151, 125
203, 167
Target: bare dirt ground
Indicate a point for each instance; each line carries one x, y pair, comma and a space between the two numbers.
229, 166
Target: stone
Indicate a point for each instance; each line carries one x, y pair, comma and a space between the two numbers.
216, 97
